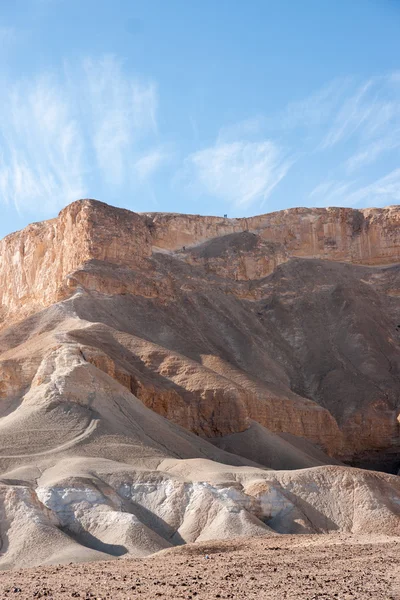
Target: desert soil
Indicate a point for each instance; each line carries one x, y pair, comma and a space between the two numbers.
309, 567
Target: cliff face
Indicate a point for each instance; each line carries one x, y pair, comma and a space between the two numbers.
151, 364
368, 236
216, 322
35, 264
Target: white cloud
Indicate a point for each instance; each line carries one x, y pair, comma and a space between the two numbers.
343, 111
238, 172
56, 132
249, 128
346, 125
42, 150
350, 134
385, 190
148, 164
330, 193
97, 123
122, 112
322, 190
371, 152
369, 113
354, 112
382, 191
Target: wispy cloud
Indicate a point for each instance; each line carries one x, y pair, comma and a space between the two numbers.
331, 193
122, 113
347, 125
148, 164
385, 190
238, 172
382, 191
355, 111
244, 130
96, 124
42, 148
363, 128
56, 132
372, 151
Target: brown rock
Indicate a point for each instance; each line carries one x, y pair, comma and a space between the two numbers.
238, 325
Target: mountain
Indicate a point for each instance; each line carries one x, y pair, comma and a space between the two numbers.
170, 378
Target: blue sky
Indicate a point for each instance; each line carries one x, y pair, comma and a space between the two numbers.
198, 106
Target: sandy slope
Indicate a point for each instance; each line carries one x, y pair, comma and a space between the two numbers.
88, 471
277, 451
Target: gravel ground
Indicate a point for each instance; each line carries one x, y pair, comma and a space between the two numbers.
327, 567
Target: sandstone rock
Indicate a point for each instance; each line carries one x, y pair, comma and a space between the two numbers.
38, 262
154, 367
164, 286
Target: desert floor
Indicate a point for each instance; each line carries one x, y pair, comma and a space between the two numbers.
323, 567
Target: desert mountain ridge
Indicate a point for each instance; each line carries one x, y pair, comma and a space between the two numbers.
254, 245
169, 378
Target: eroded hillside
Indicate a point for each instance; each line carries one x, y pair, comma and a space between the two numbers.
172, 378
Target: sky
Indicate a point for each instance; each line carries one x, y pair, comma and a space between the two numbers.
235, 107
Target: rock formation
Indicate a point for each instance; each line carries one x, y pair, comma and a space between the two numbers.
154, 368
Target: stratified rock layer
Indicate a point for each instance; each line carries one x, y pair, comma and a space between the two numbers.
38, 262
212, 322
155, 367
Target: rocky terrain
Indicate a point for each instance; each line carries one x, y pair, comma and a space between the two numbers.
169, 379
330, 567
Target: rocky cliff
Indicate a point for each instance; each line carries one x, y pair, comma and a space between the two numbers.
174, 378
231, 319
37, 264
288, 319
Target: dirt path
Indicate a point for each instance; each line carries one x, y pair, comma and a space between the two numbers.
331, 567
